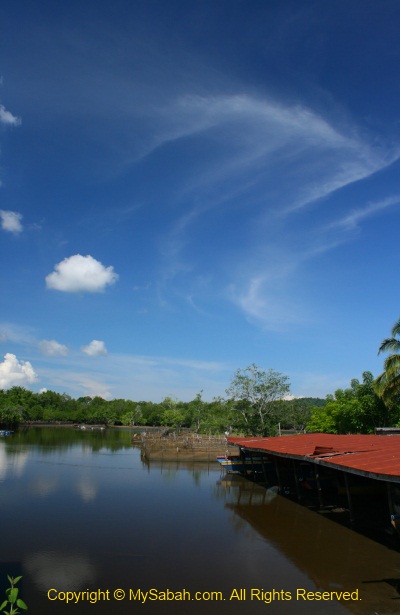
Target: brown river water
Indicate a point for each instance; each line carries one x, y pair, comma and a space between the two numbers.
92, 529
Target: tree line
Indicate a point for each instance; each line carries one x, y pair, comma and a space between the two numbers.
262, 412
257, 403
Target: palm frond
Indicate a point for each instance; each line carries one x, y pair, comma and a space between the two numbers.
387, 385
396, 328
380, 384
392, 364
389, 344
391, 391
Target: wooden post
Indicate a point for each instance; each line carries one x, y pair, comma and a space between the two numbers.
243, 458
390, 499
349, 500
321, 504
264, 472
252, 466
296, 479
278, 474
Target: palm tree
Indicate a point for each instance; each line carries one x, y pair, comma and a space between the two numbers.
387, 385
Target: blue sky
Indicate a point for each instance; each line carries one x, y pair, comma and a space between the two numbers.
191, 187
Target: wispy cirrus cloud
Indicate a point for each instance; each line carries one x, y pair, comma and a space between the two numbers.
263, 304
251, 134
137, 376
353, 219
266, 295
83, 383
266, 161
18, 334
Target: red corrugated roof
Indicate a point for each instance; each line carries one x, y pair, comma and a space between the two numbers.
377, 456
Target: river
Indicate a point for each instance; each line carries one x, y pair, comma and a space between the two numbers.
84, 519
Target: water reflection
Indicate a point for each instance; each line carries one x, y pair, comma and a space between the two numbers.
332, 556
84, 512
87, 490
236, 490
50, 439
11, 461
44, 485
65, 571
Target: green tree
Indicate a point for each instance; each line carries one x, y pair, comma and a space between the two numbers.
197, 412
356, 409
173, 415
217, 416
133, 415
100, 412
10, 416
387, 385
257, 395
296, 413
152, 413
338, 416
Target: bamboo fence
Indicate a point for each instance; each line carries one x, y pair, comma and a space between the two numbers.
180, 446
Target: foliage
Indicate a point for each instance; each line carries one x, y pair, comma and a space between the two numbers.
387, 385
296, 413
354, 410
258, 396
173, 415
18, 405
197, 412
12, 600
133, 416
216, 416
10, 416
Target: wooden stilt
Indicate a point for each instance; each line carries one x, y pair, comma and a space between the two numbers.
278, 474
319, 489
296, 479
349, 499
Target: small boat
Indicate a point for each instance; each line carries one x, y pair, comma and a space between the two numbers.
5, 432
237, 463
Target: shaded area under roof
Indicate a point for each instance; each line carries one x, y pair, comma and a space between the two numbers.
368, 455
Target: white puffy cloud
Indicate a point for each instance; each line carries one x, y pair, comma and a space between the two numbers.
51, 348
8, 118
81, 274
15, 373
96, 348
11, 221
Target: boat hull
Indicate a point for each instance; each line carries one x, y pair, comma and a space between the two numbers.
235, 463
